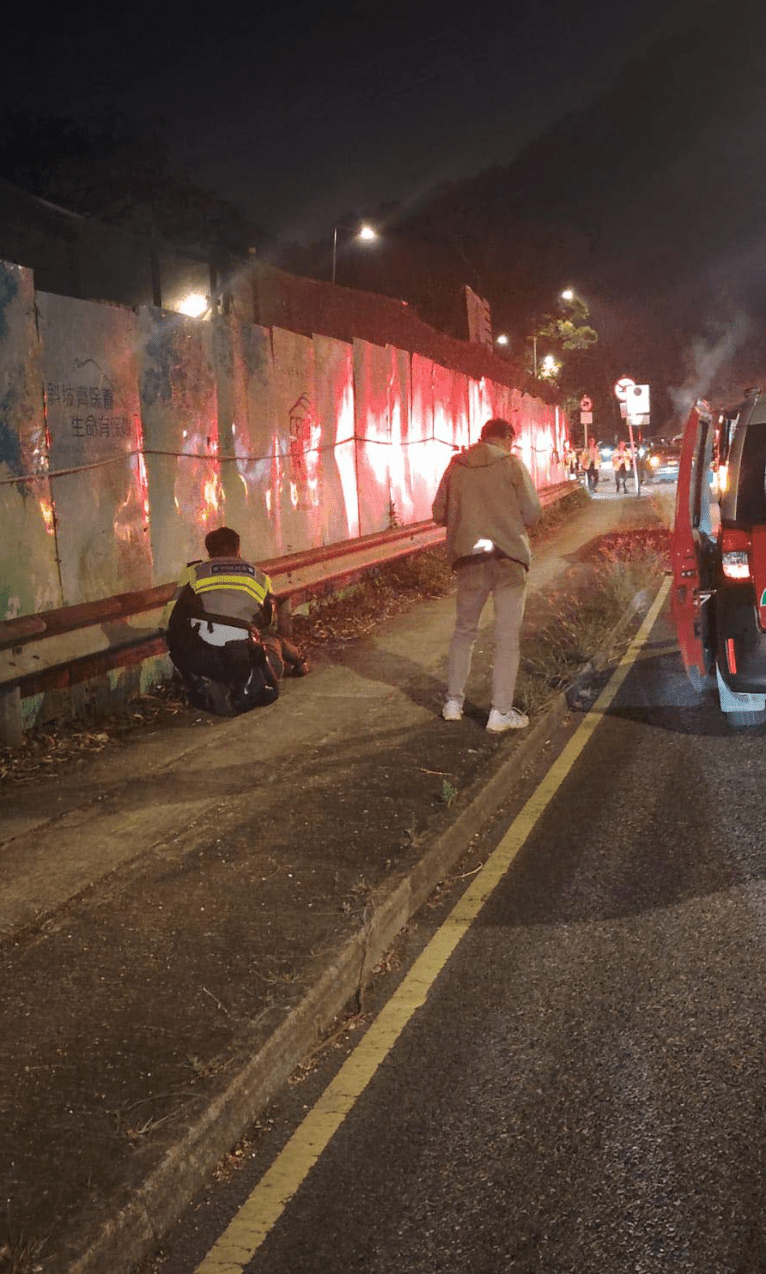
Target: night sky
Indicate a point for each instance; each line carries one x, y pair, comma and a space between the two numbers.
304, 114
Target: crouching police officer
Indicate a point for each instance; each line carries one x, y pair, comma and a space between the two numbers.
220, 631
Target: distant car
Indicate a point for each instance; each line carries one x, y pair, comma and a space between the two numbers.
606, 449
661, 461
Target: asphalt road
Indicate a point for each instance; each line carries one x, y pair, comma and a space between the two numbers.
582, 1090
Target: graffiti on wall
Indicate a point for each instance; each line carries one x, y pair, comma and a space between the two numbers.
79, 399
305, 433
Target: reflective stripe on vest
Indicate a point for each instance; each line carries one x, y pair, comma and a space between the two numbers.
229, 586
238, 583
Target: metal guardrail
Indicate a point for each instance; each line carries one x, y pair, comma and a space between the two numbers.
55, 649
59, 648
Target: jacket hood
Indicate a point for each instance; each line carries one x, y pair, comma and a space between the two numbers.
481, 455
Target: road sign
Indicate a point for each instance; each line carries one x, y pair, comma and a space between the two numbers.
637, 399
586, 403
586, 417
623, 386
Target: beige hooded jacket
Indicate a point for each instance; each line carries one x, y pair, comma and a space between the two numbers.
486, 497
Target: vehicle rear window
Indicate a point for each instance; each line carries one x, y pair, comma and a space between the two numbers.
751, 494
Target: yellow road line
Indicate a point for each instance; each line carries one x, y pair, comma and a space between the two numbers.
265, 1205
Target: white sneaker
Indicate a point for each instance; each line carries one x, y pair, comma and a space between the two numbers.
453, 710
500, 721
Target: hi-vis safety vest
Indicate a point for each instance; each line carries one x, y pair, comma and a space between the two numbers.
227, 587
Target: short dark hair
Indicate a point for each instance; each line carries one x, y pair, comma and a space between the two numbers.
498, 428
222, 542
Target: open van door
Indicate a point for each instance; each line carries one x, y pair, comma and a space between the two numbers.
692, 550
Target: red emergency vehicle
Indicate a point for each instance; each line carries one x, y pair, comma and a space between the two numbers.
718, 551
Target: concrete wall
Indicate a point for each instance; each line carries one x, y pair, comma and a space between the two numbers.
90, 378
179, 415
29, 576
125, 435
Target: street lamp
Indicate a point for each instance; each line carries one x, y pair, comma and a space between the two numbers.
502, 339
365, 233
195, 305
568, 294
551, 367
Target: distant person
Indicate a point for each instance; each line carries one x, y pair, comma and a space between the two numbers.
570, 460
487, 501
621, 464
590, 463
221, 634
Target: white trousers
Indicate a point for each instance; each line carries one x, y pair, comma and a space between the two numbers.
506, 582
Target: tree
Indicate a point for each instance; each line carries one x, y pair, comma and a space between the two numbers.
562, 336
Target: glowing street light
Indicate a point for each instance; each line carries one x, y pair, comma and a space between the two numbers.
568, 294
194, 305
502, 339
366, 234
550, 367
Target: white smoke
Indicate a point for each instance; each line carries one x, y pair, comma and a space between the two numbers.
704, 360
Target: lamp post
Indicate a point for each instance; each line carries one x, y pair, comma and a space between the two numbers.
548, 368
366, 234
533, 339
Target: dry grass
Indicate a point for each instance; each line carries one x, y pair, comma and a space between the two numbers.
357, 611
57, 744
583, 617
19, 1254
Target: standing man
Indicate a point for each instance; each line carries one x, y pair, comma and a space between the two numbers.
220, 631
571, 461
486, 500
620, 462
590, 463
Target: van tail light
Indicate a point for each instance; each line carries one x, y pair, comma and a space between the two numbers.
735, 554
